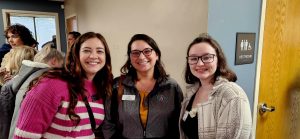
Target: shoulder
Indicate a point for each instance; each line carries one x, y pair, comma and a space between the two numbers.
48, 91
51, 86
169, 81
125, 80
4, 50
6, 90
53, 82
230, 90
33, 64
191, 89
5, 47
6, 58
170, 85
117, 80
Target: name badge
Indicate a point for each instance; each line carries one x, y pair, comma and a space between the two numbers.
185, 115
128, 97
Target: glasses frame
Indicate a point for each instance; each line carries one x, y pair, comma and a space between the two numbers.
201, 57
142, 51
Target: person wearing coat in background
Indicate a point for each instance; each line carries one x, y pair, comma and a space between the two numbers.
48, 57
17, 35
6, 98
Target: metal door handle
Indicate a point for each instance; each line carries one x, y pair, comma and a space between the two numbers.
263, 107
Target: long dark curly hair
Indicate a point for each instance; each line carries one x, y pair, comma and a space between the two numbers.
24, 33
222, 68
74, 74
159, 71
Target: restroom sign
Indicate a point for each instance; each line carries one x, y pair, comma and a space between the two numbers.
245, 46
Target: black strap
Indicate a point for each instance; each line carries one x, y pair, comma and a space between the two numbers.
91, 115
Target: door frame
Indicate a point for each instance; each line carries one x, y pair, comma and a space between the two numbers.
258, 66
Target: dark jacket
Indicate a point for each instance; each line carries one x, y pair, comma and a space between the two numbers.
5, 48
18, 85
122, 119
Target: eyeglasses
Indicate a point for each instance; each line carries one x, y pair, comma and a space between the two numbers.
208, 58
137, 53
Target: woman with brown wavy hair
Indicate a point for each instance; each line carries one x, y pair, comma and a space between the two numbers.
68, 102
215, 107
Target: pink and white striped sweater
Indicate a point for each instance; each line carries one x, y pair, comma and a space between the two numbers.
43, 112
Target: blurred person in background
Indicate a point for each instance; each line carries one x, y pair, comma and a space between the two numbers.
16, 35
14, 61
13, 67
72, 36
44, 60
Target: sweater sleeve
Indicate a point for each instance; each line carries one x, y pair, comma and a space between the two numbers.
234, 118
37, 110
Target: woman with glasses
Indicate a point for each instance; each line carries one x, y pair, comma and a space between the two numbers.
215, 106
146, 102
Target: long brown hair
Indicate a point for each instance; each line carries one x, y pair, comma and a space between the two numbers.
74, 74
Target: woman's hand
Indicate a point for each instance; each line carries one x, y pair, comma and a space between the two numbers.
2, 71
7, 77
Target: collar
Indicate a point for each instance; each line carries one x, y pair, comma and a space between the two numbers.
35, 64
193, 88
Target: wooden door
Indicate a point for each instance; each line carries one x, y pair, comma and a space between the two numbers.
71, 24
279, 83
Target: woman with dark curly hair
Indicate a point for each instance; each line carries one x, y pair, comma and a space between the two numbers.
68, 102
18, 34
215, 107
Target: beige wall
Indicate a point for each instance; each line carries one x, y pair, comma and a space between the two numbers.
173, 24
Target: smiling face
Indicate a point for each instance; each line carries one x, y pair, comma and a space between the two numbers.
143, 63
204, 72
92, 57
14, 39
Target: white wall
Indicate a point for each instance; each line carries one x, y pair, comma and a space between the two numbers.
173, 24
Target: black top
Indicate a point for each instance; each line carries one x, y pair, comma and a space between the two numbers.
190, 125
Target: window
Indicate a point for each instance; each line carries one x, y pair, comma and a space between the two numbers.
43, 25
